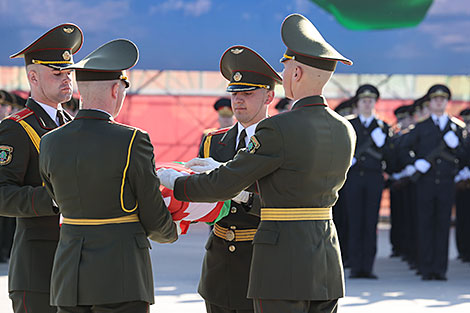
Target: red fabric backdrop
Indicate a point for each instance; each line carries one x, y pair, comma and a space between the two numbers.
176, 123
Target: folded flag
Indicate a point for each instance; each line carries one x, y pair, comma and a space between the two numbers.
188, 212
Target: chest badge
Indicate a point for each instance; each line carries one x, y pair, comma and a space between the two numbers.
253, 145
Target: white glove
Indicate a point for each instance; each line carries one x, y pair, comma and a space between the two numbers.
463, 174
451, 139
178, 227
200, 165
242, 197
168, 176
378, 137
353, 161
422, 165
397, 176
408, 171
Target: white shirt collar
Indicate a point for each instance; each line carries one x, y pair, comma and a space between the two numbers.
52, 112
366, 121
442, 120
250, 131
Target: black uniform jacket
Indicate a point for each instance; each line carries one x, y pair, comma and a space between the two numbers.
98, 169
22, 195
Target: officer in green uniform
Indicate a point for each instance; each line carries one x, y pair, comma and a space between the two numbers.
226, 267
102, 176
297, 161
21, 192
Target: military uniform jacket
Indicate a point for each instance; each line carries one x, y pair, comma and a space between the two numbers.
369, 159
422, 142
97, 169
23, 196
298, 159
224, 279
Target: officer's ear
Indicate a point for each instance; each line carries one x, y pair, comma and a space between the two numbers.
115, 90
33, 76
297, 73
269, 97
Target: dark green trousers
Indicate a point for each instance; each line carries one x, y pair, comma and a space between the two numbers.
31, 302
125, 307
283, 306
212, 308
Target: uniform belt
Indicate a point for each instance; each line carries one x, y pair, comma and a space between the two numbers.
234, 234
296, 214
101, 221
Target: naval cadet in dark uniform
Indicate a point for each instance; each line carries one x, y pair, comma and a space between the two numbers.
226, 267
21, 192
102, 176
462, 198
436, 144
365, 183
297, 161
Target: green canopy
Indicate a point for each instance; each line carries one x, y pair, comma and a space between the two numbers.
376, 14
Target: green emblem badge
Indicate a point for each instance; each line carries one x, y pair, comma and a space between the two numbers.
253, 145
5, 154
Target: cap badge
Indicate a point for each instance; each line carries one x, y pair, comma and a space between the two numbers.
66, 55
68, 30
236, 50
237, 76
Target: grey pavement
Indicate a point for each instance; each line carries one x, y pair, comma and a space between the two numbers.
177, 270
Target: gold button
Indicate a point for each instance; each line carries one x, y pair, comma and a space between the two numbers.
231, 248
233, 227
233, 210
230, 235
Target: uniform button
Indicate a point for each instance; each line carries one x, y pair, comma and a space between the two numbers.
438, 161
230, 235
437, 181
438, 172
233, 210
363, 158
231, 248
361, 173
233, 227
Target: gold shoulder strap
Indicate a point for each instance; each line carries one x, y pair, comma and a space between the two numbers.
33, 135
124, 176
207, 146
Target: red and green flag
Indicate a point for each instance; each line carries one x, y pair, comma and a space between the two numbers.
376, 14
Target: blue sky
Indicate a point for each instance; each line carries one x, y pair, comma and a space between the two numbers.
193, 34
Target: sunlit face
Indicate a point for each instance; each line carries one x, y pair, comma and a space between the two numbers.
53, 86
437, 105
249, 107
287, 78
366, 105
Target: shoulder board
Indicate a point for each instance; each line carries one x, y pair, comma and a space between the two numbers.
219, 131
127, 126
20, 115
458, 122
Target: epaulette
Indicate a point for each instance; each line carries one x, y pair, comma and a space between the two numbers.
208, 131
20, 115
458, 122
219, 131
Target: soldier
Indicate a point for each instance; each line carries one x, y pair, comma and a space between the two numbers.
21, 191
110, 216
435, 143
462, 199
297, 161
365, 183
226, 267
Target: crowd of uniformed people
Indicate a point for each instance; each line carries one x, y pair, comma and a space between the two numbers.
423, 159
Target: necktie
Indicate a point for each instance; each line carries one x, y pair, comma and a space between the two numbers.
438, 125
241, 140
60, 117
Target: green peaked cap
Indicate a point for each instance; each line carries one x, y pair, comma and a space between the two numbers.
108, 62
247, 70
306, 45
55, 48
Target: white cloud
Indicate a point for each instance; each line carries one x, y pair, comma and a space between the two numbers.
194, 8
101, 16
410, 50
449, 7
448, 34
